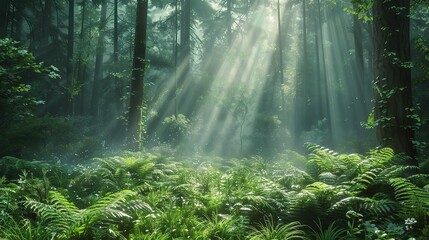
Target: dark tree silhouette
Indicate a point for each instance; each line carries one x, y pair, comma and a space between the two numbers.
70, 50
392, 75
98, 72
137, 82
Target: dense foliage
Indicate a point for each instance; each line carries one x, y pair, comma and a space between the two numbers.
158, 195
18, 71
188, 119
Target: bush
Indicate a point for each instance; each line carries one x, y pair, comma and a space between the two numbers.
176, 128
47, 138
18, 68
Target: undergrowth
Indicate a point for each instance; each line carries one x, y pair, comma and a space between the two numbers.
324, 195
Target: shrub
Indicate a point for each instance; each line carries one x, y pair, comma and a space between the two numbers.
46, 138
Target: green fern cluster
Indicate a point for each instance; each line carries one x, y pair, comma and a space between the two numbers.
353, 189
325, 195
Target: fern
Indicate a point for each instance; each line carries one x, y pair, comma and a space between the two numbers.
413, 200
323, 160
59, 213
65, 220
8, 197
381, 156
303, 203
107, 207
357, 204
364, 180
382, 208
396, 171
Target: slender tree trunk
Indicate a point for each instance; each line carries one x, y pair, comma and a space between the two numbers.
98, 71
302, 120
280, 52
185, 38
12, 25
135, 125
117, 83
4, 17
357, 35
176, 35
185, 52
393, 96
117, 130
324, 96
115, 33
229, 21
70, 50
81, 65
359, 59
46, 23
319, 78
16, 20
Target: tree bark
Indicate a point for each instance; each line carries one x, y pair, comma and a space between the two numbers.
280, 52
70, 50
4, 17
184, 52
393, 96
117, 84
229, 21
98, 71
46, 24
135, 126
302, 121
324, 94
81, 64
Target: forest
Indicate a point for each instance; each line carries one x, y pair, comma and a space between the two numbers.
214, 119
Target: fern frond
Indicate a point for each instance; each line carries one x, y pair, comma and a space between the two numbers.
303, 203
358, 204
381, 156
382, 208
107, 206
367, 178
396, 171
59, 202
112, 164
136, 205
413, 199
328, 178
59, 221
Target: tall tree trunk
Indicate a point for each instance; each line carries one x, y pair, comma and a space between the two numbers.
15, 20
357, 35
393, 96
229, 21
115, 33
324, 96
302, 121
185, 52
81, 64
117, 83
176, 52
70, 50
280, 52
98, 71
135, 126
45, 32
4, 17
117, 130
